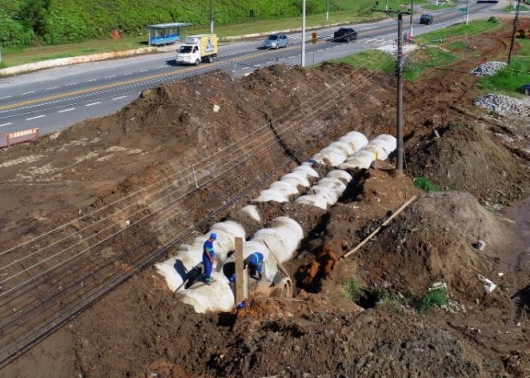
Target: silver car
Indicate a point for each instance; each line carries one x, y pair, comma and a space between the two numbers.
275, 41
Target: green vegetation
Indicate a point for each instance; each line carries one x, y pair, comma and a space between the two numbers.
374, 59
512, 8
459, 31
390, 302
441, 6
425, 184
512, 77
457, 46
53, 22
431, 57
433, 298
352, 289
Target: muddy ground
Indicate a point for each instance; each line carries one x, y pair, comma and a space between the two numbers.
86, 212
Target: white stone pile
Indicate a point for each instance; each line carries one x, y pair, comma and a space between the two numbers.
488, 69
504, 105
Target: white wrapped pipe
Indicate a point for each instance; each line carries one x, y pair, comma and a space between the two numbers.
272, 195
341, 175
345, 147
285, 187
314, 200
355, 139
216, 297
299, 177
277, 244
175, 269
381, 146
307, 170
330, 156
360, 159
327, 190
391, 140
252, 211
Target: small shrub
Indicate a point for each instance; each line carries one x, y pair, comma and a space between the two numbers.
493, 20
425, 184
433, 298
352, 289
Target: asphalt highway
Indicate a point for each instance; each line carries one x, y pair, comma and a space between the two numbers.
57, 98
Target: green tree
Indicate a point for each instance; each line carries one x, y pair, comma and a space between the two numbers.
34, 15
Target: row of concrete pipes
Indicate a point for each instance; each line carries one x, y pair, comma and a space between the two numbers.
280, 240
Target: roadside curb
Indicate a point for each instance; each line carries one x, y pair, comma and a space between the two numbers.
74, 60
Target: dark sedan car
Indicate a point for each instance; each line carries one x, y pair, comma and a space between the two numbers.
345, 34
426, 19
526, 89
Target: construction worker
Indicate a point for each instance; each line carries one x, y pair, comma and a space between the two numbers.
254, 263
208, 255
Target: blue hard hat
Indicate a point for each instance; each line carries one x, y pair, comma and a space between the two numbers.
213, 235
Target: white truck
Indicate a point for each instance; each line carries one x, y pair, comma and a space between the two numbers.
197, 49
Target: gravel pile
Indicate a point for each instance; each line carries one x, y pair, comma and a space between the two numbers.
504, 105
488, 68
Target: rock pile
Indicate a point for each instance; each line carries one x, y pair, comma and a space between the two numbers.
504, 105
488, 68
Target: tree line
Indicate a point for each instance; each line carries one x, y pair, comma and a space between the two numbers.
51, 22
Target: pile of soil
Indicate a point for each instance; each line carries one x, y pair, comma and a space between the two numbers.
131, 187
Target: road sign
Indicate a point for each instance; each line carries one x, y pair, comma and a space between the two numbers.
462, 9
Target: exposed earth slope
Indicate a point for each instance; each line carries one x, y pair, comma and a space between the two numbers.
114, 195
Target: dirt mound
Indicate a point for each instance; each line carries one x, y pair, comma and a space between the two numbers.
433, 242
451, 159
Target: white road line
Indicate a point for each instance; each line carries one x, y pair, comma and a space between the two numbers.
94, 103
69, 85
47, 89
6, 124
2, 98
118, 98
32, 118
66, 110
91, 80
28, 93
110, 77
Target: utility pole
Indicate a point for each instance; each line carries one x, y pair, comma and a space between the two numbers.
467, 12
327, 10
515, 24
386, 7
411, 14
303, 34
399, 74
211, 16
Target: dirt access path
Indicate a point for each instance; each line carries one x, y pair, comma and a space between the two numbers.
95, 205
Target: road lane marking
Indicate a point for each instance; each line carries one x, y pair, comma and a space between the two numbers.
118, 98
32, 118
93, 103
66, 110
6, 124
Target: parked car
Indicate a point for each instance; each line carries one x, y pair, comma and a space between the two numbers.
526, 89
345, 34
426, 19
275, 41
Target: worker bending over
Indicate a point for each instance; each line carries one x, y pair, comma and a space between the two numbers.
254, 263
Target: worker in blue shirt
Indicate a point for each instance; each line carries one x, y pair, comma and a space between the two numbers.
254, 263
208, 257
